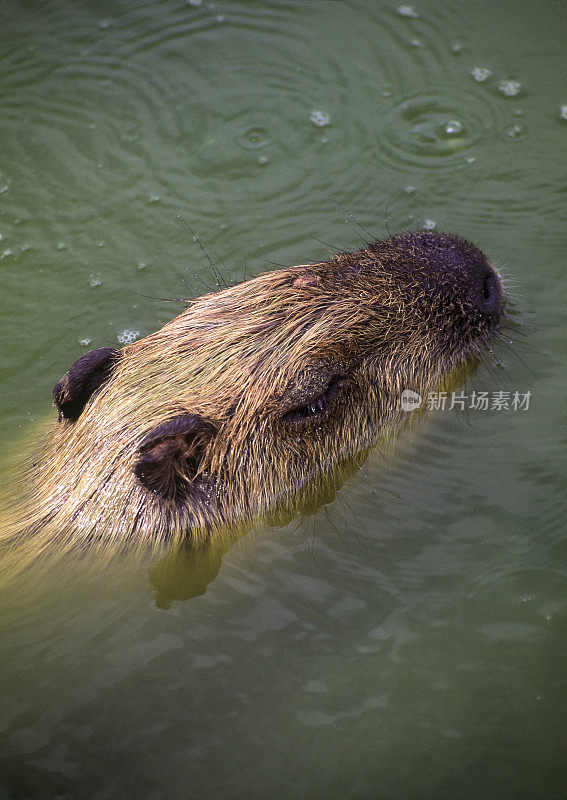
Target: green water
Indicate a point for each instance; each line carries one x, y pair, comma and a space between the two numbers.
406, 641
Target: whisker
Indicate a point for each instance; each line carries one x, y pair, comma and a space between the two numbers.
351, 217
174, 271
164, 299
218, 276
332, 249
503, 343
278, 264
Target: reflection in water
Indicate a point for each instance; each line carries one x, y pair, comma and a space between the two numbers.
186, 570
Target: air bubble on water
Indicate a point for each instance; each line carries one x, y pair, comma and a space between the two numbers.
262, 159
61, 245
94, 280
416, 43
481, 74
509, 87
453, 127
409, 189
154, 198
428, 224
142, 264
195, 3
104, 23
253, 138
563, 112
515, 131
408, 11
6, 253
470, 160
128, 336
100, 244
25, 247
456, 48
320, 118
85, 342
220, 17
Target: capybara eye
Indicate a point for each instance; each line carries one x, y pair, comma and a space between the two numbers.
316, 406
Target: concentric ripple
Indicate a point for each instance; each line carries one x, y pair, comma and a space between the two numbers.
437, 129
249, 100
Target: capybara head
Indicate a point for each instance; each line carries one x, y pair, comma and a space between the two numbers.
256, 392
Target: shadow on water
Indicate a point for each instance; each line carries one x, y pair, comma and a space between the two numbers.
186, 571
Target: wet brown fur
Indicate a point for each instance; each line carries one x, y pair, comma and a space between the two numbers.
403, 313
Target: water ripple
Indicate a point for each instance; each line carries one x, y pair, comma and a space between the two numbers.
173, 106
436, 129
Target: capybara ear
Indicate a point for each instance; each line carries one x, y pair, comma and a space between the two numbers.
86, 375
170, 455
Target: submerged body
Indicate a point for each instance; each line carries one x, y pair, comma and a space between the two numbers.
253, 395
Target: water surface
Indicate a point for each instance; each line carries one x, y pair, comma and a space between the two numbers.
405, 641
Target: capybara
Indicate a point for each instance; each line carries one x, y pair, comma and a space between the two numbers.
255, 393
